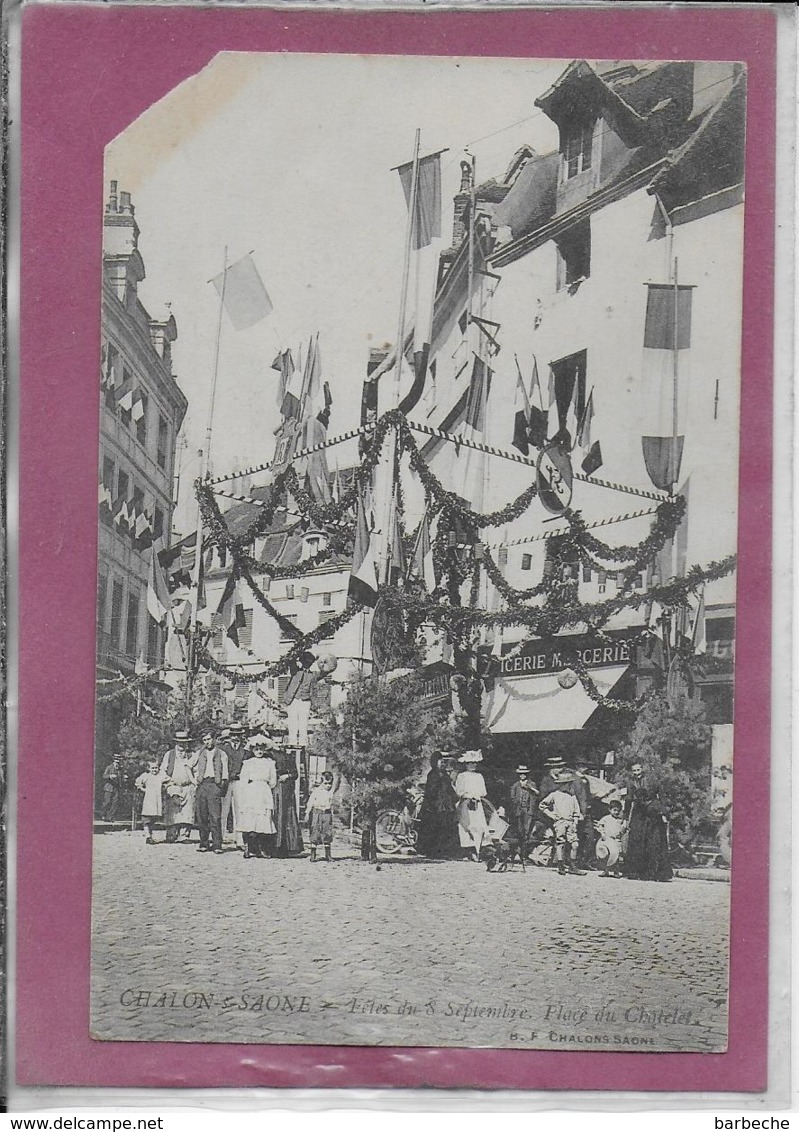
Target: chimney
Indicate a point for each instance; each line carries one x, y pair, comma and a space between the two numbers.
462, 200
112, 198
124, 203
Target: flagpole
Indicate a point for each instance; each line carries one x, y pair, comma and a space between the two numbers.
675, 617
388, 470
470, 267
191, 643
406, 268
675, 383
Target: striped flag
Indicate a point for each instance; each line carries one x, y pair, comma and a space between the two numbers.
667, 332
231, 609
421, 564
521, 416
591, 449
397, 565
158, 600
473, 429
363, 578
426, 242
539, 416
699, 630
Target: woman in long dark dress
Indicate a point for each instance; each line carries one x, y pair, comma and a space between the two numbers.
288, 840
438, 817
647, 853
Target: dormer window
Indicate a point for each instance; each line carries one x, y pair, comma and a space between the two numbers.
577, 145
313, 543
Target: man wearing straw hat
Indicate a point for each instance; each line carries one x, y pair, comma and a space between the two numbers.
561, 807
233, 746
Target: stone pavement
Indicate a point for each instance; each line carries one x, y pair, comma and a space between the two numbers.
191, 947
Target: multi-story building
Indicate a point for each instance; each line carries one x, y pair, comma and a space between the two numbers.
142, 408
306, 600
646, 185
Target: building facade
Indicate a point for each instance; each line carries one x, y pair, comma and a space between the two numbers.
644, 191
305, 600
142, 409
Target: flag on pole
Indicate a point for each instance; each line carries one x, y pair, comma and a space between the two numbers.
142, 531
177, 562
426, 242
125, 401
591, 449
105, 502
158, 600
243, 293
539, 416
291, 387
314, 410
231, 609
427, 214
397, 565
662, 340
313, 469
363, 578
284, 364
422, 565
323, 416
699, 630
521, 416
573, 419
553, 416
473, 429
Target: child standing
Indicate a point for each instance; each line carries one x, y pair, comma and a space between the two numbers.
608, 849
151, 783
320, 815
563, 810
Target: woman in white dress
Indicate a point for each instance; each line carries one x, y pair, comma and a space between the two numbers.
178, 766
471, 790
256, 803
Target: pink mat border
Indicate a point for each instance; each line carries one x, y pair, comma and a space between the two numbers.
86, 73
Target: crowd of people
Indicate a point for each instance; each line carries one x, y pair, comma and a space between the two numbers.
244, 791
236, 790
570, 820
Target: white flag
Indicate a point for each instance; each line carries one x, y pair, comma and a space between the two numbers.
243, 293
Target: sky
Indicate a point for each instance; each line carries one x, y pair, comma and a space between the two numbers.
290, 157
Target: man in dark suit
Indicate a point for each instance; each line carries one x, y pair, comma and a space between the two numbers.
522, 809
212, 782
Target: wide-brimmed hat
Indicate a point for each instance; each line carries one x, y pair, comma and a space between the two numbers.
554, 762
522, 770
182, 737
607, 852
471, 757
235, 729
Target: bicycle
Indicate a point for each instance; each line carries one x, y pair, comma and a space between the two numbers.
396, 831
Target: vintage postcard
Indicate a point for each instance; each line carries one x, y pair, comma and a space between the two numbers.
394, 571
418, 514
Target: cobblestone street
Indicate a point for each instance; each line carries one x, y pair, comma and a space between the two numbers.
192, 947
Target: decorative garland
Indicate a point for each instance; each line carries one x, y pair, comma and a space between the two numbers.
286, 626
281, 666
458, 556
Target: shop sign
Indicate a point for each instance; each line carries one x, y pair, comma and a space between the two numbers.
557, 653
